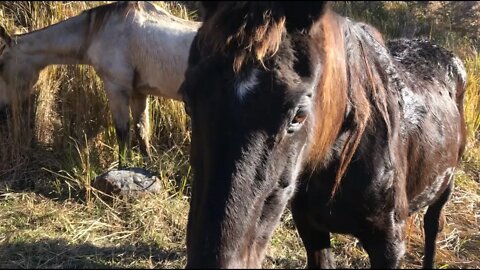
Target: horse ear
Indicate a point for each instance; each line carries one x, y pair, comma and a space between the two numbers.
207, 8
5, 37
300, 15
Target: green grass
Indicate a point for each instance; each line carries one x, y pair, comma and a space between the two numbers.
65, 138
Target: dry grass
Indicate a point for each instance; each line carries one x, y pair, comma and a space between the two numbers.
53, 219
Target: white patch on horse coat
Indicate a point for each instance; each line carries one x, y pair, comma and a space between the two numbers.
243, 87
426, 197
411, 102
458, 65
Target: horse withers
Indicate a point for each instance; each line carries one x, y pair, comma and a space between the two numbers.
290, 101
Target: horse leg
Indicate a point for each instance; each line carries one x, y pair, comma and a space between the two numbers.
316, 242
431, 224
118, 100
385, 247
139, 108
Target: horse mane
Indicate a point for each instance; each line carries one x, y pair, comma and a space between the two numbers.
249, 30
98, 16
350, 75
373, 31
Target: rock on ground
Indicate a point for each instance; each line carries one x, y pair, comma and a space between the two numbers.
131, 182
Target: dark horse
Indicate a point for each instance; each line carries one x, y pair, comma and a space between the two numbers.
289, 100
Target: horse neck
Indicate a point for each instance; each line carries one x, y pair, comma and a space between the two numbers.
350, 76
61, 43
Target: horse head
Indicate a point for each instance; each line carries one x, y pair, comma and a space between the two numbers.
250, 88
17, 74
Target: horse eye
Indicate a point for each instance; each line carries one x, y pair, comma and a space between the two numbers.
297, 120
299, 117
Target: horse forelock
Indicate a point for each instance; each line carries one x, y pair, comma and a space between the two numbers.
253, 35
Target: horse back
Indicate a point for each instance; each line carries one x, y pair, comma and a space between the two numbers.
428, 62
